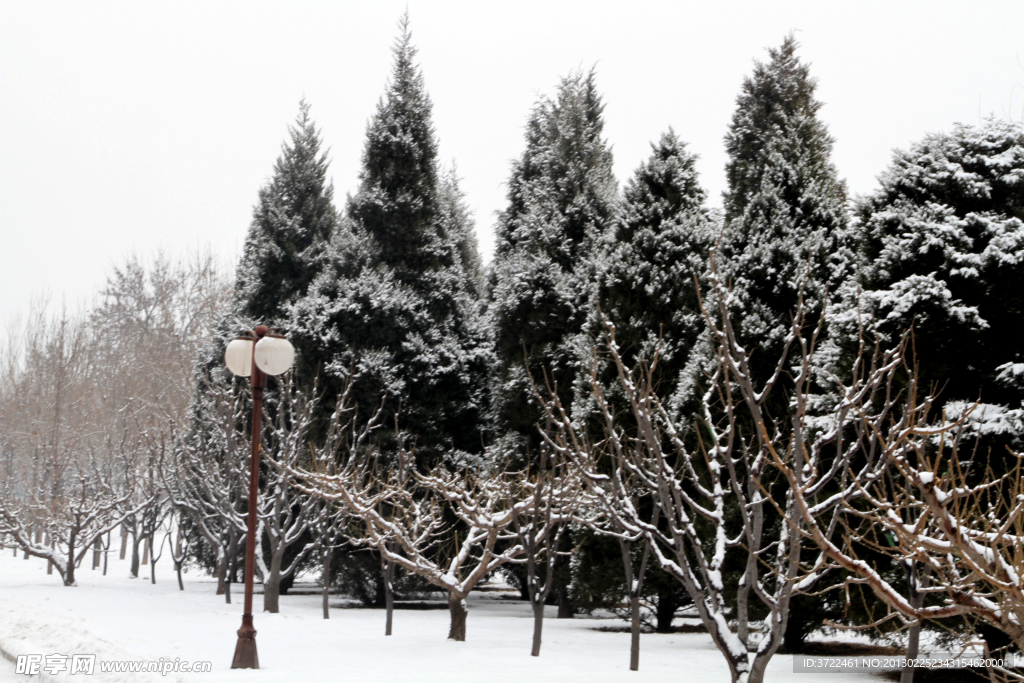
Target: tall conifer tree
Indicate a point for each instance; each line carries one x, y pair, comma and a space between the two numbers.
786, 228
647, 288
786, 236
458, 226
394, 304
286, 246
291, 227
561, 202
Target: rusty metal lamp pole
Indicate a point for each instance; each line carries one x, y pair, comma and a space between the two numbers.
256, 355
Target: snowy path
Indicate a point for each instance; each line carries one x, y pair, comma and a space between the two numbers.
115, 616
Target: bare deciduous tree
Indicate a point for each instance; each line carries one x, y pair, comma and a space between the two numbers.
930, 512
452, 529
554, 494
285, 511
712, 492
205, 475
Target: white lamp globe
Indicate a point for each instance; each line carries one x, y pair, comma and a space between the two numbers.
238, 357
274, 355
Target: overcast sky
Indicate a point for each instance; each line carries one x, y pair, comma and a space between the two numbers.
146, 125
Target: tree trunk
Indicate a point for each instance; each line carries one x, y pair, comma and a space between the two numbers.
325, 579
69, 571
272, 594
536, 596
97, 546
145, 550
634, 582
742, 599
666, 610
565, 608
538, 623
222, 570
634, 632
458, 612
135, 556
272, 585
389, 596
230, 560
915, 581
106, 554
152, 571
124, 540
179, 559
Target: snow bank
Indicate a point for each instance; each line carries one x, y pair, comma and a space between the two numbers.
28, 630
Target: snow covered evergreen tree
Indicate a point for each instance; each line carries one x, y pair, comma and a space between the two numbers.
945, 245
395, 304
458, 225
660, 244
786, 235
562, 198
286, 247
647, 290
291, 227
786, 230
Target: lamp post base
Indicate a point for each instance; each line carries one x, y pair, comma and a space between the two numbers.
245, 650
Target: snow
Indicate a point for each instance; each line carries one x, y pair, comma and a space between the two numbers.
987, 419
117, 617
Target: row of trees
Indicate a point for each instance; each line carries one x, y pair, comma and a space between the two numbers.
90, 402
698, 403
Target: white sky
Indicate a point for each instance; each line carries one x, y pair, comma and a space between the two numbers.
145, 125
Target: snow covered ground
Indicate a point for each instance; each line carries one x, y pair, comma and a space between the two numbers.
120, 618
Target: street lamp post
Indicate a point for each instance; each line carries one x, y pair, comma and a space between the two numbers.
256, 355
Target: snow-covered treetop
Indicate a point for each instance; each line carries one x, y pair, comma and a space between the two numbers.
562, 190
944, 241
397, 201
291, 227
787, 231
775, 131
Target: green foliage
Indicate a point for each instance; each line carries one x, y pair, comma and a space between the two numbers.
648, 285
786, 232
561, 202
395, 306
291, 226
944, 238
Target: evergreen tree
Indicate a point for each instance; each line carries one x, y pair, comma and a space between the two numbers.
286, 246
647, 288
561, 203
395, 304
458, 226
786, 231
786, 237
945, 244
291, 227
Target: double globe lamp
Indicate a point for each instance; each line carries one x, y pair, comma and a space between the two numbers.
255, 355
